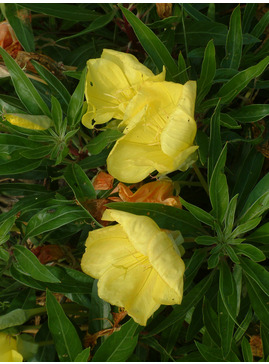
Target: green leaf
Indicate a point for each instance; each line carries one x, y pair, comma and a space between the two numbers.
57, 116
198, 213
209, 354
206, 240
5, 228
19, 20
45, 353
208, 71
261, 235
227, 121
99, 22
257, 273
154, 343
226, 322
31, 266
257, 200
19, 317
259, 301
120, 345
229, 215
247, 226
202, 141
265, 341
250, 251
189, 301
79, 182
250, 113
54, 84
71, 281
83, 356
52, 218
226, 282
195, 14
213, 260
243, 325
248, 17
196, 322
152, 45
76, 102
234, 41
193, 266
24, 87
218, 188
63, 11
215, 144
246, 350
183, 75
247, 174
99, 309
234, 86
167, 217
18, 166
210, 321
64, 334
97, 144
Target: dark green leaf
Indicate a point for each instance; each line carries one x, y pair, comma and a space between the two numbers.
64, 334
196, 322
195, 14
247, 226
215, 145
265, 342
167, 217
120, 345
97, 144
218, 188
19, 317
5, 228
261, 235
209, 354
76, 102
31, 266
211, 321
259, 301
83, 356
233, 87
63, 11
20, 22
250, 251
79, 182
243, 326
153, 46
45, 353
250, 113
54, 84
154, 343
208, 71
248, 17
193, 266
234, 41
183, 75
227, 121
206, 240
229, 215
24, 88
246, 350
198, 213
256, 272
52, 218
18, 166
202, 141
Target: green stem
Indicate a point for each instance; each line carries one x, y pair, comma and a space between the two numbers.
201, 178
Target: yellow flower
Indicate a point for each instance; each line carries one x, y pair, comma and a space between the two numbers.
111, 82
35, 122
160, 131
8, 349
139, 267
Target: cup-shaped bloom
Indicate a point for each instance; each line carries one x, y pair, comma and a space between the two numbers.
111, 83
138, 266
34, 122
8, 349
159, 133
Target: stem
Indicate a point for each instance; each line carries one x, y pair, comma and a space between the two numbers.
201, 178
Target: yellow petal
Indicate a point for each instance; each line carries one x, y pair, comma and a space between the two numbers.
8, 349
187, 99
35, 122
105, 247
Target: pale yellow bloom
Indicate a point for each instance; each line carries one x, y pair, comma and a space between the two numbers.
160, 131
8, 349
139, 267
111, 83
35, 122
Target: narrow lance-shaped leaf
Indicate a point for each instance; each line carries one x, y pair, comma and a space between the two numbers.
19, 19
30, 265
218, 188
215, 145
234, 41
257, 273
65, 337
76, 102
208, 71
152, 45
24, 87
